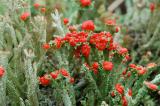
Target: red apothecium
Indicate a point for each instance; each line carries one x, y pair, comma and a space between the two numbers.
119, 88
108, 66
152, 7
44, 80
1, 71
88, 25
36, 5
124, 101
151, 85
46, 46
25, 16
85, 50
85, 3
65, 21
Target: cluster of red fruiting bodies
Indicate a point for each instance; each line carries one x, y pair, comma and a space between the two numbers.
24, 16
106, 65
38, 6
139, 69
46, 79
120, 89
83, 42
